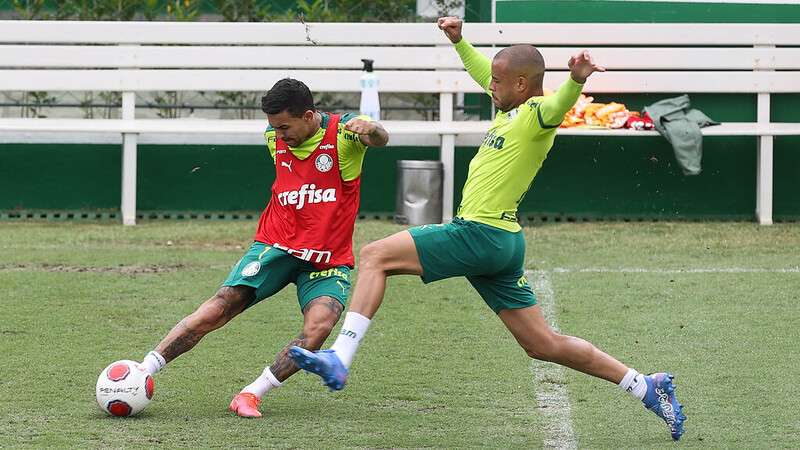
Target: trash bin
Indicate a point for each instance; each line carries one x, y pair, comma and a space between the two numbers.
419, 192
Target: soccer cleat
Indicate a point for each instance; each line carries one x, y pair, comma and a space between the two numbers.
245, 404
660, 398
324, 363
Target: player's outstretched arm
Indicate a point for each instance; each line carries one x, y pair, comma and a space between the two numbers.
554, 107
477, 64
372, 134
451, 27
582, 65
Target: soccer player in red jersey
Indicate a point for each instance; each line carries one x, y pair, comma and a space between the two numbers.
304, 235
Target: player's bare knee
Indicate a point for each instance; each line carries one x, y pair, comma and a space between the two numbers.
536, 353
316, 332
317, 329
209, 316
218, 310
544, 349
235, 296
371, 257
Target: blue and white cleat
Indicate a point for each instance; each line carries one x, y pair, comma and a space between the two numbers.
324, 363
660, 398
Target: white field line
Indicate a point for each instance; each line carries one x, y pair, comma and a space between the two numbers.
551, 392
674, 271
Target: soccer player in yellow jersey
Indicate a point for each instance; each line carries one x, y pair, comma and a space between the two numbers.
484, 242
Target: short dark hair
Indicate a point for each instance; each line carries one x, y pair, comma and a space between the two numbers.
288, 95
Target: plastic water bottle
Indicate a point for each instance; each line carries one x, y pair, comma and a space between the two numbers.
370, 103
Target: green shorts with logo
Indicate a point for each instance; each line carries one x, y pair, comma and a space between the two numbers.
268, 270
490, 258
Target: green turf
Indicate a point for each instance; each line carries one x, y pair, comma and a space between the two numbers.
437, 368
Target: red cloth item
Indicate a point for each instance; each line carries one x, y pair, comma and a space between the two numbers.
312, 212
640, 123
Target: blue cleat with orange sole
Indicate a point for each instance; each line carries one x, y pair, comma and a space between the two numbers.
660, 398
324, 363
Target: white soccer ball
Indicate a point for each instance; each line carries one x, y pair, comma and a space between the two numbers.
124, 388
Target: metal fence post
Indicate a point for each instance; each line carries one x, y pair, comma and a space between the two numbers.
447, 156
129, 156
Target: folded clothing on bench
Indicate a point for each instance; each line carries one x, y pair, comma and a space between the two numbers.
680, 125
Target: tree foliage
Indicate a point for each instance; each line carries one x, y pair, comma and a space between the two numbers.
227, 10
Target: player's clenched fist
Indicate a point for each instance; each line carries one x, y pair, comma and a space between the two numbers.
451, 27
360, 126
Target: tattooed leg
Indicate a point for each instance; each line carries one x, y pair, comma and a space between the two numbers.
284, 367
319, 318
212, 314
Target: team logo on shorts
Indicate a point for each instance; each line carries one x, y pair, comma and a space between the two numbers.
324, 162
251, 269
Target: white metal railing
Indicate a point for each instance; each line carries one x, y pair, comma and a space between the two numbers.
761, 59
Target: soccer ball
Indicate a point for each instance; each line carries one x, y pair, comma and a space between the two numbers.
124, 388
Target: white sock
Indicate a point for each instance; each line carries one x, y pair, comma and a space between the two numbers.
153, 362
263, 383
353, 329
634, 384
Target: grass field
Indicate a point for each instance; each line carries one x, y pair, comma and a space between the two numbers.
717, 304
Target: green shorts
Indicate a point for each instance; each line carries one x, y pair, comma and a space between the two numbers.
268, 270
490, 258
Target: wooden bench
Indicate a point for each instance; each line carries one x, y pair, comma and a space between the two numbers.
131, 57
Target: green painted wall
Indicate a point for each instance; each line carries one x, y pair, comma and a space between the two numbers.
786, 188
592, 11
170, 177
63, 177
637, 176
590, 177
235, 178
478, 10
584, 177
203, 178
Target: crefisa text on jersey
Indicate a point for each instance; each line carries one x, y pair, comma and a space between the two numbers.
307, 194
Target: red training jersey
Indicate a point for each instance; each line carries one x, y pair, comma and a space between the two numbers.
312, 211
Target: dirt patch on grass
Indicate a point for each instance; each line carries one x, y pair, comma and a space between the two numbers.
135, 269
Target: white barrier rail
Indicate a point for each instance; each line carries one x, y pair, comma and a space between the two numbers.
130, 57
